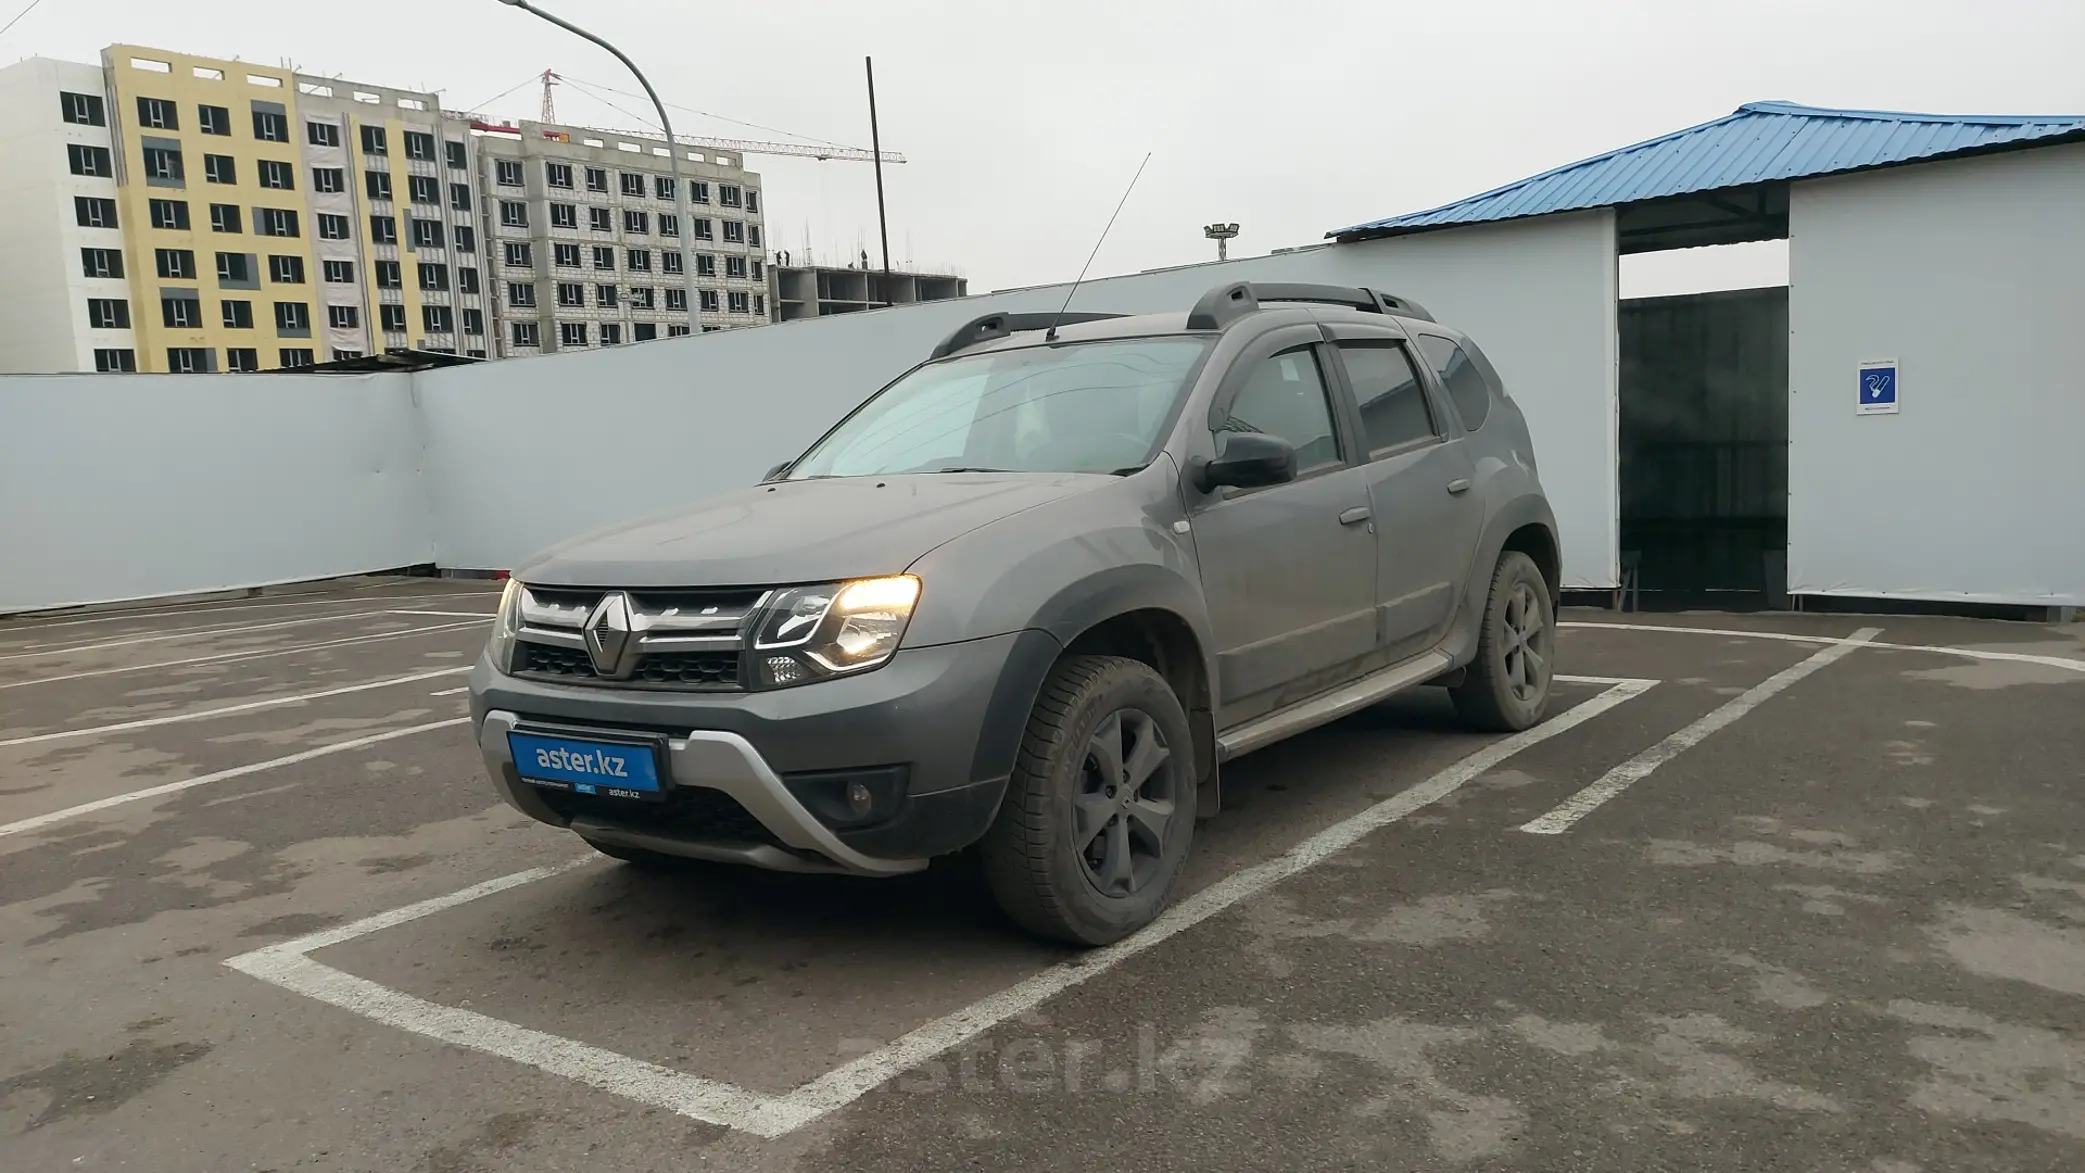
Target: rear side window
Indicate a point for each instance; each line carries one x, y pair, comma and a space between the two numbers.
1387, 390
1464, 381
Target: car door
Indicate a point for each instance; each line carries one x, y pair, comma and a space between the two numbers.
1420, 480
1288, 570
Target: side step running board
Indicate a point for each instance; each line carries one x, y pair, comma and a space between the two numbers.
1329, 706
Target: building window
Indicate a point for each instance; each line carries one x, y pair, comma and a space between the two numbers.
419, 145
391, 318
596, 179
729, 196
704, 228
611, 334
292, 317
377, 184
757, 273
643, 331
698, 192
175, 264
233, 269
669, 224
286, 270
600, 219
182, 311
734, 232
274, 222
760, 304
640, 260
565, 256
709, 300
427, 234
389, 275
159, 114
164, 164
637, 223
423, 189
641, 297
753, 235
466, 280
678, 331
82, 109
739, 302
604, 257
101, 262
735, 266
373, 141
675, 263
521, 295
513, 214
94, 211
633, 185
108, 313
571, 333
474, 321
752, 200
237, 315
519, 256
172, 214
434, 277
507, 172
225, 218
340, 355
564, 216
242, 358
437, 319
457, 158
322, 134
460, 196
676, 300
328, 180
116, 359
188, 360
662, 186
466, 239
294, 356
344, 317
86, 160
571, 294
557, 174
383, 229
340, 272
525, 334
333, 226
605, 296
277, 175
270, 127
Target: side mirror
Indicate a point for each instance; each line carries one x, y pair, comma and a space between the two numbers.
1248, 460
776, 471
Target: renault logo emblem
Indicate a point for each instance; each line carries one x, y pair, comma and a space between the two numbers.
611, 642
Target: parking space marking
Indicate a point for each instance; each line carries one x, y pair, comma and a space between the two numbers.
2068, 663
1579, 805
114, 800
290, 966
191, 633
455, 614
223, 657
226, 710
32, 623
451, 691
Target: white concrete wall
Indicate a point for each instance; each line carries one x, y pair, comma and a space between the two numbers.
1971, 273
120, 487
529, 451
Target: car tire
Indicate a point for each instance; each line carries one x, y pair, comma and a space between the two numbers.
1508, 684
1087, 844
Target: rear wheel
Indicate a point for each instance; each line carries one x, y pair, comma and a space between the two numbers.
1100, 811
1507, 688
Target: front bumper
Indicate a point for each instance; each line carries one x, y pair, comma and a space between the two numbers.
948, 717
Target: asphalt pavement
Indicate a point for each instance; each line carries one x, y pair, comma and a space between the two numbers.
1766, 892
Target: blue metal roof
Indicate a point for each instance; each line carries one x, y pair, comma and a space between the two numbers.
1760, 142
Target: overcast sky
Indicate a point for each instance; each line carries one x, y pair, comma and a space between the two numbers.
1024, 122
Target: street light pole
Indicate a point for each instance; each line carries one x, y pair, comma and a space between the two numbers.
681, 207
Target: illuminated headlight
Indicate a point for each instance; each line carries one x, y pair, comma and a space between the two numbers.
504, 626
832, 629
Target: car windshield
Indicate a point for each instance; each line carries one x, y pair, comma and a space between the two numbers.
1072, 407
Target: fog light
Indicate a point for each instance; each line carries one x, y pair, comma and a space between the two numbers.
785, 670
860, 801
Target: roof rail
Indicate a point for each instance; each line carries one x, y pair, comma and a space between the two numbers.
1227, 303
999, 325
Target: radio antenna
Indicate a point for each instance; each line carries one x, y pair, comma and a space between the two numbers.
1051, 334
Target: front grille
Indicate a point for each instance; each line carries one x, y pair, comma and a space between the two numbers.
688, 812
713, 621
693, 670
544, 660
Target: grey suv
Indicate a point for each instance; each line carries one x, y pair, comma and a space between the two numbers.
1029, 597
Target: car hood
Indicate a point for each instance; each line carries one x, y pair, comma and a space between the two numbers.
798, 531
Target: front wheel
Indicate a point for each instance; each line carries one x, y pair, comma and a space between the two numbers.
1507, 688
1100, 811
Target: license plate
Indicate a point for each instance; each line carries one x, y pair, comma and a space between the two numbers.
616, 769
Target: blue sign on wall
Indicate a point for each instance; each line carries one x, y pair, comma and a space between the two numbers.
1878, 389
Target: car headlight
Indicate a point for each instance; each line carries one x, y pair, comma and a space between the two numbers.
815, 632
504, 627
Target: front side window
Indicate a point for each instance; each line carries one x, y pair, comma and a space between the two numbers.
1079, 407
1285, 397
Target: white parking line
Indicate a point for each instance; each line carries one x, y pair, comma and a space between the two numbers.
457, 614
32, 623
225, 710
2069, 663
289, 965
102, 804
1579, 805
241, 657
451, 691
191, 633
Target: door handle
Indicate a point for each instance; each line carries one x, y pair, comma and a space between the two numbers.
1459, 485
1354, 516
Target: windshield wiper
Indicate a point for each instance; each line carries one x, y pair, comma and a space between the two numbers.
970, 468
